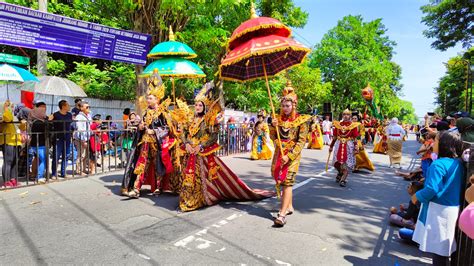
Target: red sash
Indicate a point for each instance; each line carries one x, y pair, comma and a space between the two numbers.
280, 171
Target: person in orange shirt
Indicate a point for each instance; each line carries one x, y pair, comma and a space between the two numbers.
426, 150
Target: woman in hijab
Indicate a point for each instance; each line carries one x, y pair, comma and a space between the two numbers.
37, 120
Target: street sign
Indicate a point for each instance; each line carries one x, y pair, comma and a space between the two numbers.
25, 27
14, 59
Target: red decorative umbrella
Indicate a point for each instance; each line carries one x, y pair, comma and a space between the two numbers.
256, 27
271, 53
261, 47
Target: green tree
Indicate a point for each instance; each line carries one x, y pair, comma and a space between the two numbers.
449, 22
353, 54
451, 90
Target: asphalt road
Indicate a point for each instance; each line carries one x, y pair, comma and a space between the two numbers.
85, 221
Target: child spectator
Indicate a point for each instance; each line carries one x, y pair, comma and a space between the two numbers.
426, 149
440, 199
406, 217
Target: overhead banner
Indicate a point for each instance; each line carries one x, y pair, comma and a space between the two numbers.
25, 27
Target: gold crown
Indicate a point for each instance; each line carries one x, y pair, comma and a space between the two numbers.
262, 113
155, 85
347, 112
289, 93
205, 94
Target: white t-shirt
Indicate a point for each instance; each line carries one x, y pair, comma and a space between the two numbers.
327, 126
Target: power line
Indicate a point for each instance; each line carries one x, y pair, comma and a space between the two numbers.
304, 39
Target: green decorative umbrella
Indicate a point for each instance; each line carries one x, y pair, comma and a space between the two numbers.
172, 48
15, 74
174, 67
172, 61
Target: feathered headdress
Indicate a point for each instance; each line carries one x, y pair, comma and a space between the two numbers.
212, 99
155, 85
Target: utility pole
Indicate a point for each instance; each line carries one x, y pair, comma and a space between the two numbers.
42, 56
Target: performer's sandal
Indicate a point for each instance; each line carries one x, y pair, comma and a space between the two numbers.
288, 212
280, 221
343, 183
338, 178
134, 194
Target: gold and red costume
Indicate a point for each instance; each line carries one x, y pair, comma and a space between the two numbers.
362, 158
261, 143
293, 130
345, 134
151, 161
380, 140
315, 136
206, 179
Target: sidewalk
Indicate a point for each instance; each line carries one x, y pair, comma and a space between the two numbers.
85, 221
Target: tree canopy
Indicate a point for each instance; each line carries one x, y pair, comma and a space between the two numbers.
449, 22
451, 90
354, 54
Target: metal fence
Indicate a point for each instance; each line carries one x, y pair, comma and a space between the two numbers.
29, 155
464, 256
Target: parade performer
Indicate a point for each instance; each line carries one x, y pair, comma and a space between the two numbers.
206, 179
395, 134
327, 131
345, 144
362, 158
380, 139
293, 129
262, 146
150, 163
315, 137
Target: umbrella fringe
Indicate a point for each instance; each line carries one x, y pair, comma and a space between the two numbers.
259, 27
264, 52
175, 75
253, 79
184, 55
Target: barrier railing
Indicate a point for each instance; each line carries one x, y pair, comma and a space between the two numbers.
37, 153
464, 255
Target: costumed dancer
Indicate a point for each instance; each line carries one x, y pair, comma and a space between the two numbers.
395, 134
315, 138
150, 163
345, 144
206, 179
380, 139
262, 146
293, 129
327, 131
362, 158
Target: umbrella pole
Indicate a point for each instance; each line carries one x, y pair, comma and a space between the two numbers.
174, 93
273, 107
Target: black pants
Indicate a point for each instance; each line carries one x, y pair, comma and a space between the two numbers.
10, 157
440, 260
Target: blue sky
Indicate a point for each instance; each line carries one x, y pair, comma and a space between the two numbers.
421, 65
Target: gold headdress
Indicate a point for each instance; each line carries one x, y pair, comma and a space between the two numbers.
347, 112
155, 85
262, 113
205, 95
289, 93
211, 97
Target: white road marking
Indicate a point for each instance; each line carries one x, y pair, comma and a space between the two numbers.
282, 262
205, 243
183, 242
